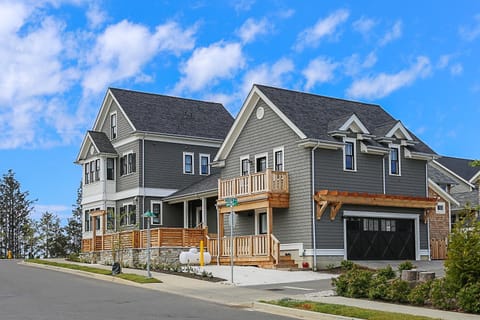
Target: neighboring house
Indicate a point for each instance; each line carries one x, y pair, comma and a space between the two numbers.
142, 148
321, 179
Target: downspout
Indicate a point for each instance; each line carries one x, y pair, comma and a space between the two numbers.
383, 175
143, 180
314, 228
428, 220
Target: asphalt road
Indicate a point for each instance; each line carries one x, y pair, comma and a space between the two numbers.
31, 293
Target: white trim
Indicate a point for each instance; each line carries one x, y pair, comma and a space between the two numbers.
354, 120
258, 212
394, 146
313, 143
441, 211
345, 239
200, 156
399, 127
193, 162
246, 157
442, 193
130, 193
292, 246
475, 178
326, 252
152, 202
243, 116
282, 149
373, 150
354, 141
423, 252
261, 155
194, 141
390, 215
106, 105
441, 166
116, 125
418, 155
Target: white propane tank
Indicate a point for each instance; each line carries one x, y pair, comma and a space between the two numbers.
192, 256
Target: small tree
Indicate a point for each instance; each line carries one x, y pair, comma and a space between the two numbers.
73, 229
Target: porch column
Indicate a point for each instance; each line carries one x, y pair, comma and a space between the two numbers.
220, 225
94, 230
269, 220
185, 214
204, 212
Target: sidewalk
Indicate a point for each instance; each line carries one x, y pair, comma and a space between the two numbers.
240, 296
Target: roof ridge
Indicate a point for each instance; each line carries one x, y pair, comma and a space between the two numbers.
162, 95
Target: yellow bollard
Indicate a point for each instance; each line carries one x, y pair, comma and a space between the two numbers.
201, 254
9, 254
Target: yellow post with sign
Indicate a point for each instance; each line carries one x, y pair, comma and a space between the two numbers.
202, 261
9, 254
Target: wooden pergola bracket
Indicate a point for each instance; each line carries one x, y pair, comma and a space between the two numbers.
321, 207
334, 208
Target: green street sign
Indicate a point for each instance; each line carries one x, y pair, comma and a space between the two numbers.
231, 202
148, 214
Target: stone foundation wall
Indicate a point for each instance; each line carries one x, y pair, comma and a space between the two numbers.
135, 257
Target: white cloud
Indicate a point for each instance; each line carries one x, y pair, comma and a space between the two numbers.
273, 75
443, 61
124, 48
392, 34
208, 64
472, 32
364, 26
353, 65
95, 15
61, 211
242, 5
251, 29
456, 69
311, 37
383, 84
319, 70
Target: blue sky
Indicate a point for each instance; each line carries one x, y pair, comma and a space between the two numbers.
418, 59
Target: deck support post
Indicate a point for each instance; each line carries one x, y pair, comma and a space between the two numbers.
204, 212
94, 231
185, 214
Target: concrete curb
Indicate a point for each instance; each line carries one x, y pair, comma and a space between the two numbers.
297, 313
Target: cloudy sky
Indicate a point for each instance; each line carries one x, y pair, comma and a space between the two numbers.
418, 59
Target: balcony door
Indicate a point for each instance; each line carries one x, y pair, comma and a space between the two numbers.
261, 164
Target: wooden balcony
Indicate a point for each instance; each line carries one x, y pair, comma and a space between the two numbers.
262, 189
137, 239
257, 250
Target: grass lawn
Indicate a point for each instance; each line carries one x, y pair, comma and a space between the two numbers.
127, 276
345, 311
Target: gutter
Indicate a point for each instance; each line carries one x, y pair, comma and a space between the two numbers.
314, 228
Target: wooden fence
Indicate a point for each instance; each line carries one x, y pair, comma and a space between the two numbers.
438, 249
137, 239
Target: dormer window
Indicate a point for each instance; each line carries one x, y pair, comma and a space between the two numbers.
113, 126
349, 155
395, 160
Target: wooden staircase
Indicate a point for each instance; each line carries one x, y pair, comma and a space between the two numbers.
286, 263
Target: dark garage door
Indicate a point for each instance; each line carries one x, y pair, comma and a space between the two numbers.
380, 239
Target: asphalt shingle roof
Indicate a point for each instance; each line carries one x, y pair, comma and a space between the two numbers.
315, 114
208, 184
464, 198
172, 115
102, 142
460, 166
439, 177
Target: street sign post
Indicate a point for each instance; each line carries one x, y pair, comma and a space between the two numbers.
231, 202
148, 215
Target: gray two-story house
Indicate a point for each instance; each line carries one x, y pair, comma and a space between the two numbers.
142, 148
321, 179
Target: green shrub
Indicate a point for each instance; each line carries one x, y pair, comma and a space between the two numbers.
386, 272
73, 257
378, 288
420, 294
469, 298
354, 283
442, 294
347, 265
398, 291
406, 265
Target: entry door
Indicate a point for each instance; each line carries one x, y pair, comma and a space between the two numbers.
380, 239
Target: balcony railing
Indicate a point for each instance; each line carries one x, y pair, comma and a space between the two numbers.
267, 181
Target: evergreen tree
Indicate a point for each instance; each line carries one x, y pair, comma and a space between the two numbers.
30, 240
52, 240
73, 229
15, 208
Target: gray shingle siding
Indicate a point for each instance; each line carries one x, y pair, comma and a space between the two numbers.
164, 164
411, 182
123, 127
260, 136
131, 180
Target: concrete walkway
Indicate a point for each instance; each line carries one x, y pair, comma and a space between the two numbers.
245, 297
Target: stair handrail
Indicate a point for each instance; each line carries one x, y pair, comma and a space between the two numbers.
275, 248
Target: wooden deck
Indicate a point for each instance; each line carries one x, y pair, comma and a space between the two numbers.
137, 239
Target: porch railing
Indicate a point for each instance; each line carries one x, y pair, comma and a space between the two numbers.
137, 239
267, 181
245, 247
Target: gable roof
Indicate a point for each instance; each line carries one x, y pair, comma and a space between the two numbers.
99, 141
313, 113
439, 176
460, 166
156, 113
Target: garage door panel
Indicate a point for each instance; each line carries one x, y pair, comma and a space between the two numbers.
380, 239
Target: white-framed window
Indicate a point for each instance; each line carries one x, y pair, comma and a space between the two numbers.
394, 160
128, 214
110, 218
86, 224
278, 159
261, 162
188, 160
110, 169
349, 154
245, 165
87, 172
113, 125
441, 207
204, 164
92, 171
128, 163
157, 209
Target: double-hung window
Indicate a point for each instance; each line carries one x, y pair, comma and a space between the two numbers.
110, 169
204, 164
128, 164
278, 159
113, 126
97, 170
110, 218
188, 163
87, 220
128, 214
244, 166
394, 160
87, 173
157, 213
349, 161
92, 171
